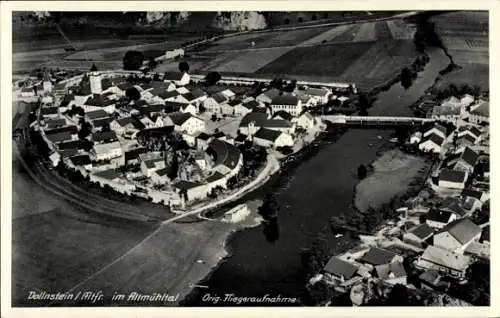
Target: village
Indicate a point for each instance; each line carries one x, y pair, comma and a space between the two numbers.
164, 138
439, 239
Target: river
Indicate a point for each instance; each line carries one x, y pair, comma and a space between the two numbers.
319, 188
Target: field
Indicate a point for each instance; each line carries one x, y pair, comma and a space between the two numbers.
167, 261
465, 35
393, 174
54, 250
323, 59
369, 54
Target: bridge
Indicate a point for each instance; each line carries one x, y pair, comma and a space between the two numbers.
376, 120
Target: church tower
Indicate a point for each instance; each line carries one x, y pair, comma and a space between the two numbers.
95, 81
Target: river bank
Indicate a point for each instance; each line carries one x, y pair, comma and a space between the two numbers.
313, 190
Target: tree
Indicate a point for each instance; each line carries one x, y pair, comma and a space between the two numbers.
362, 172
132, 60
364, 101
183, 67
156, 77
212, 78
93, 68
132, 93
271, 230
85, 130
406, 78
152, 63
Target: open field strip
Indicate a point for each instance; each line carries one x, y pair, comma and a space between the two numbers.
366, 33
327, 35
400, 30
469, 57
348, 35
473, 44
251, 61
382, 31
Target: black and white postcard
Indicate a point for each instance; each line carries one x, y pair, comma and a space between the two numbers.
291, 156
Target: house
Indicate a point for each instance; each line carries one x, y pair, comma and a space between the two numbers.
190, 191
123, 125
185, 122
60, 137
55, 123
283, 115
306, 121
27, 92
98, 101
419, 235
98, 124
82, 160
148, 123
268, 96
476, 198
376, 256
202, 141
319, 95
391, 273
416, 137
438, 219
272, 138
339, 270
179, 79
467, 161
431, 280
227, 158
467, 100
443, 261
229, 107
452, 179
457, 235
104, 137
195, 97
479, 113
213, 103
189, 108
472, 131
55, 158
160, 176
152, 110
97, 114
454, 206
182, 90
148, 166
431, 143
437, 129
107, 151
49, 112
246, 107
229, 94
289, 103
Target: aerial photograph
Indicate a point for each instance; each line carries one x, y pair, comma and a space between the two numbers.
250, 159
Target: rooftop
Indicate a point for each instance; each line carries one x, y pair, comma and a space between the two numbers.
267, 134
452, 176
445, 258
463, 230
285, 100
377, 256
422, 231
224, 153
391, 270
440, 216
338, 267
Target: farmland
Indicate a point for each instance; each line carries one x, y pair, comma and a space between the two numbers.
321, 59
369, 54
73, 249
465, 35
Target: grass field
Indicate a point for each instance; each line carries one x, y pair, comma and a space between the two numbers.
53, 251
167, 261
465, 35
393, 173
366, 33
400, 30
470, 74
348, 35
329, 59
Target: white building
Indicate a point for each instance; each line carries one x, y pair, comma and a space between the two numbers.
272, 138
431, 143
451, 179
457, 235
185, 122
179, 79
107, 151
306, 121
95, 83
288, 103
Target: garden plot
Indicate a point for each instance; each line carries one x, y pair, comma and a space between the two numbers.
348, 35
294, 37
366, 33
